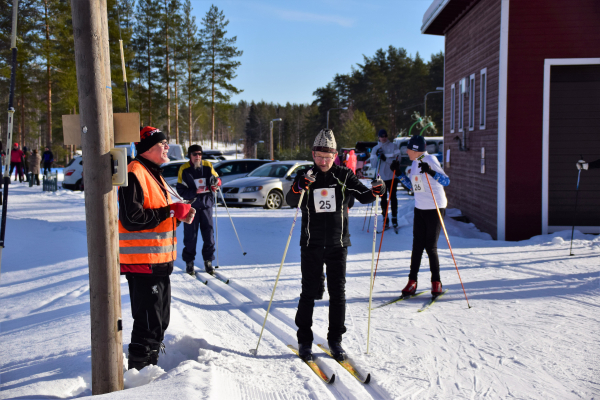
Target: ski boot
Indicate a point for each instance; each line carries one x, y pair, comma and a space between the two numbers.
436, 288
337, 351
189, 268
208, 267
410, 288
154, 353
305, 351
138, 356
395, 222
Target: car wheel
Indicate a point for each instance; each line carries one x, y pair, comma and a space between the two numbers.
274, 200
79, 185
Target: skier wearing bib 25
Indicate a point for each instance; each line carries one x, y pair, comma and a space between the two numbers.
198, 181
325, 238
427, 225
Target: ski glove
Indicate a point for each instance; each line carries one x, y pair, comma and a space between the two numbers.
306, 180
215, 183
378, 187
425, 168
180, 210
395, 166
382, 157
581, 164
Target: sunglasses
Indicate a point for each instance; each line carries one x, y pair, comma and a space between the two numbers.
198, 154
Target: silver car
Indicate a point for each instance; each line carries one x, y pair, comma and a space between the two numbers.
265, 186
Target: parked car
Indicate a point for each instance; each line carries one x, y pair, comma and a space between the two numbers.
228, 170
73, 173
266, 186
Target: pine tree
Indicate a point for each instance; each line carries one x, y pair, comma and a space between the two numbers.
218, 60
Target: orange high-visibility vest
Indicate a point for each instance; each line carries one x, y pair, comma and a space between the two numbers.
149, 246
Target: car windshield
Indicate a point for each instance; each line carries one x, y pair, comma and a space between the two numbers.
271, 171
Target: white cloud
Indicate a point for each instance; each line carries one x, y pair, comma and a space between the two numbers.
291, 15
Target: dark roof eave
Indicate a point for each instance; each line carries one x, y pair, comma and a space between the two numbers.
446, 15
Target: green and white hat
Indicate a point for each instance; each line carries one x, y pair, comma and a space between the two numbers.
325, 142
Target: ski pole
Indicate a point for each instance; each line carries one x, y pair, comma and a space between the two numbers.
231, 219
372, 264
575, 213
383, 229
11, 114
447, 239
217, 229
255, 351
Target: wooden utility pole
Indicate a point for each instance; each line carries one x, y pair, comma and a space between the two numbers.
90, 30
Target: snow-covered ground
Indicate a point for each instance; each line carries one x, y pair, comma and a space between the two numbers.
532, 331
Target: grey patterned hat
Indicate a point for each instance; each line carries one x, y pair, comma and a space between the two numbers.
325, 142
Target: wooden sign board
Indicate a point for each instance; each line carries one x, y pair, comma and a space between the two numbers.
126, 127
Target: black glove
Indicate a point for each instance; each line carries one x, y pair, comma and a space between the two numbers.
395, 166
378, 187
383, 157
304, 181
425, 168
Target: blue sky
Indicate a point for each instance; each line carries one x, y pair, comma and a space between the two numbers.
293, 47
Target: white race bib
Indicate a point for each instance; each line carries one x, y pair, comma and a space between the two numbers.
200, 183
417, 183
324, 200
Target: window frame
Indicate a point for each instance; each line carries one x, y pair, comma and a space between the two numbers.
472, 102
482, 98
452, 107
461, 105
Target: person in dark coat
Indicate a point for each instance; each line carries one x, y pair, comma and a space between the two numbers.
325, 238
197, 182
47, 159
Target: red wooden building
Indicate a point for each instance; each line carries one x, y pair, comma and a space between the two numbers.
521, 106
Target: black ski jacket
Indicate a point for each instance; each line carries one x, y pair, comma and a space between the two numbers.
328, 228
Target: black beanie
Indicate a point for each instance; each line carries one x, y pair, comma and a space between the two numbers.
149, 136
382, 133
194, 148
416, 143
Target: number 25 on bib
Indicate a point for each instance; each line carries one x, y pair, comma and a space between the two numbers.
324, 200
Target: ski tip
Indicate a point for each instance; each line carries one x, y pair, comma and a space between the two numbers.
332, 379
366, 382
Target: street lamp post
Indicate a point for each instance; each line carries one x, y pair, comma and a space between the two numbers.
437, 90
256, 148
271, 134
342, 108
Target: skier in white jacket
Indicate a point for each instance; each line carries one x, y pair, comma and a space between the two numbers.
382, 157
427, 225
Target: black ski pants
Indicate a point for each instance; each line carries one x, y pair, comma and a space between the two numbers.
312, 259
203, 221
150, 307
18, 167
47, 167
390, 186
426, 232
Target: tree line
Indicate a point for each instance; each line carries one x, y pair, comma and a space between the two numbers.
179, 70
180, 73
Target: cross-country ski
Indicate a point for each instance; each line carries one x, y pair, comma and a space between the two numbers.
347, 365
432, 300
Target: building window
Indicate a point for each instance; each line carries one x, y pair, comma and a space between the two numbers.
452, 107
461, 104
472, 102
482, 98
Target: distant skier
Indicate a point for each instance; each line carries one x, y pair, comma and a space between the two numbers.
325, 238
16, 162
385, 153
197, 181
581, 164
47, 159
427, 225
148, 222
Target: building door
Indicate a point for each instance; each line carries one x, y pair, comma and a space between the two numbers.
574, 132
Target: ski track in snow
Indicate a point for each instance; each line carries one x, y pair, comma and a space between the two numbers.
531, 332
